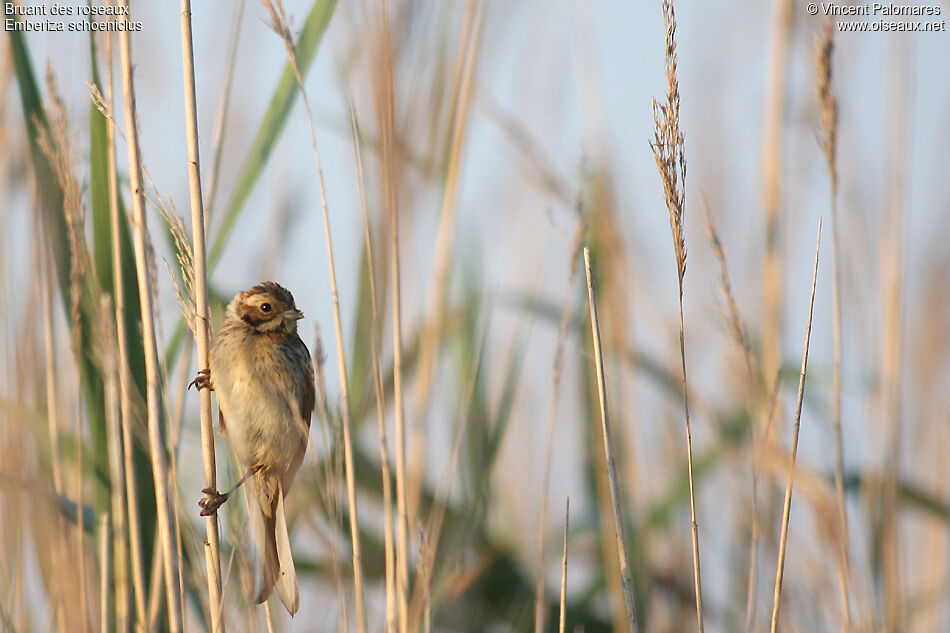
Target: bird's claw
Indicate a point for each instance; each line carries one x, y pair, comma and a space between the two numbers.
202, 380
212, 501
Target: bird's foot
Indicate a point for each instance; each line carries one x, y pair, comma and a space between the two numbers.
212, 501
202, 380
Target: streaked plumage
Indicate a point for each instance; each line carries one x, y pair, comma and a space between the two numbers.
264, 383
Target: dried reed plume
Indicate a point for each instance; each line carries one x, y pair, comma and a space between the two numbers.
670, 158
668, 147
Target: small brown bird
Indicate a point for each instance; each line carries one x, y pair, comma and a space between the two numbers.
261, 374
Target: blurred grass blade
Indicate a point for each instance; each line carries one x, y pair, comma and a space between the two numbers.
273, 123
49, 199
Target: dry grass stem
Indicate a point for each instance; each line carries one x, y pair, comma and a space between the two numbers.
563, 604
52, 409
110, 370
731, 316
828, 140
199, 322
773, 276
625, 580
420, 608
668, 150
385, 105
737, 330
57, 146
221, 118
281, 26
127, 485
104, 576
378, 389
787, 508
153, 388
558, 374
463, 86
892, 288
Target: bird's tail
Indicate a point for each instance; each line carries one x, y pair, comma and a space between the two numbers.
272, 562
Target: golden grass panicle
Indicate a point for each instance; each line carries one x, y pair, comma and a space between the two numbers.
828, 136
668, 145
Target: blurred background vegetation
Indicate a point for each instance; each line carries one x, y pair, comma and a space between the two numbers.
503, 138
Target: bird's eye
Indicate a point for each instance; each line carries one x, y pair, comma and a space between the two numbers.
265, 307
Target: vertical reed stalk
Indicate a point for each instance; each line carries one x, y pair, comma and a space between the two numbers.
772, 271
668, 150
52, 410
104, 576
45, 265
388, 528
462, 92
787, 508
386, 116
563, 603
558, 373
223, 106
152, 371
202, 341
110, 371
125, 387
625, 580
828, 139
280, 25
892, 271
80, 472
737, 330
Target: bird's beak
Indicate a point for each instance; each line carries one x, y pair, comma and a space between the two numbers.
294, 315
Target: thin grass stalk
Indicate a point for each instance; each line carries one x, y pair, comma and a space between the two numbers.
388, 527
558, 373
332, 472
116, 476
152, 371
52, 410
45, 268
281, 27
892, 267
829, 145
787, 508
668, 150
104, 576
155, 584
223, 107
773, 125
737, 330
625, 579
80, 493
202, 340
125, 394
430, 343
386, 116
563, 603
462, 97
432, 532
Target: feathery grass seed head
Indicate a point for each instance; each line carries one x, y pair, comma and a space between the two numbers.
668, 145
